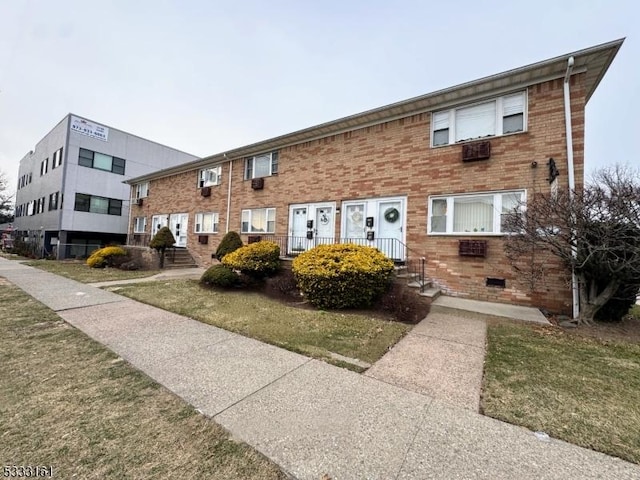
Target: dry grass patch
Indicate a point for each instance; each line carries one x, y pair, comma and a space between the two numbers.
311, 332
68, 402
81, 272
581, 390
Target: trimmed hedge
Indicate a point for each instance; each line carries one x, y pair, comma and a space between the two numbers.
220, 276
342, 275
229, 243
104, 257
257, 260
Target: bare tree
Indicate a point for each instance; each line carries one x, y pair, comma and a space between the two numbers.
6, 200
595, 232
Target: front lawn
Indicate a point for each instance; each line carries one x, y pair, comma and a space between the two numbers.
311, 332
579, 389
81, 272
69, 403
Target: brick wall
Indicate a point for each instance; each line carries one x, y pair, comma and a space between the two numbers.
395, 159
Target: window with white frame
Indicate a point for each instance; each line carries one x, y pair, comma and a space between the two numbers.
139, 224
206, 222
208, 177
261, 166
476, 213
142, 190
259, 220
500, 116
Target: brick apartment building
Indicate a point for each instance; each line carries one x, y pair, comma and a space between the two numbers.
426, 177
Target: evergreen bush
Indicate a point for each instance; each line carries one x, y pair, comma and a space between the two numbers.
220, 276
161, 241
257, 260
105, 257
229, 243
342, 275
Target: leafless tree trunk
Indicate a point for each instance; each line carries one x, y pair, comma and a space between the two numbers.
595, 232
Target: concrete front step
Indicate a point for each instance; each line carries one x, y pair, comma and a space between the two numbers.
431, 292
173, 266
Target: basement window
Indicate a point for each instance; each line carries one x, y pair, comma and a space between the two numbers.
496, 282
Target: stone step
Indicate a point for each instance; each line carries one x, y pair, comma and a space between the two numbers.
173, 266
418, 284
431, 292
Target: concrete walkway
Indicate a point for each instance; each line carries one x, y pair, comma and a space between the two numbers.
443, 357
310, 417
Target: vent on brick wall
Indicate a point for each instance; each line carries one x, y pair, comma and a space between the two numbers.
472, 152
139, 202
257, 183
472, 248
496, 282
203, 239
205, 191
253, 238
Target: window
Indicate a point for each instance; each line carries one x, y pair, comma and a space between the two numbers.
39, 205
142, 190
206, 223
140, 224
208, 177
100, 161
53, 201
44, 166
261, 166
259, 220
482, 213
95, 204
499, 116
57, 158
31, 208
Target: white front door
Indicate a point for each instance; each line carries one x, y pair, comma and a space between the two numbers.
178, 224
310, 225
324, 224
353, 225
376, 222
157, 222
390, 229
298, 222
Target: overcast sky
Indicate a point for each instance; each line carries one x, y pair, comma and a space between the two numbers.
209, 76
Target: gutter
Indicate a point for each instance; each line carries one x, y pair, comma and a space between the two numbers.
571, 176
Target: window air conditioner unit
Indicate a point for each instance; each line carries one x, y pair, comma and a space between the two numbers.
205, 191
474, 151
254, 238
472, 248
203, 239
139, 202
257, 183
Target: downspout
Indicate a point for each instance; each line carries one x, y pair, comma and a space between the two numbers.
572, 182
130, 213
228, 193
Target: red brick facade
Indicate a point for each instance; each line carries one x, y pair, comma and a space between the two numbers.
395, 159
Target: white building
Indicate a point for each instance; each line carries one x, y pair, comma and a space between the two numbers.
71, 190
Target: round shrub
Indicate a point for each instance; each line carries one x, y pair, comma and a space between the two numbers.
229, 243
257, 260
105, 257
343, 275
220, 276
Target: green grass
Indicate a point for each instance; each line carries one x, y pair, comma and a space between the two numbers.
311, 332
69, 403
82, 273
580, 390
635, 311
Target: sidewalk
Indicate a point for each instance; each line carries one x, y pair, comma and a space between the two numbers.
310, 417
